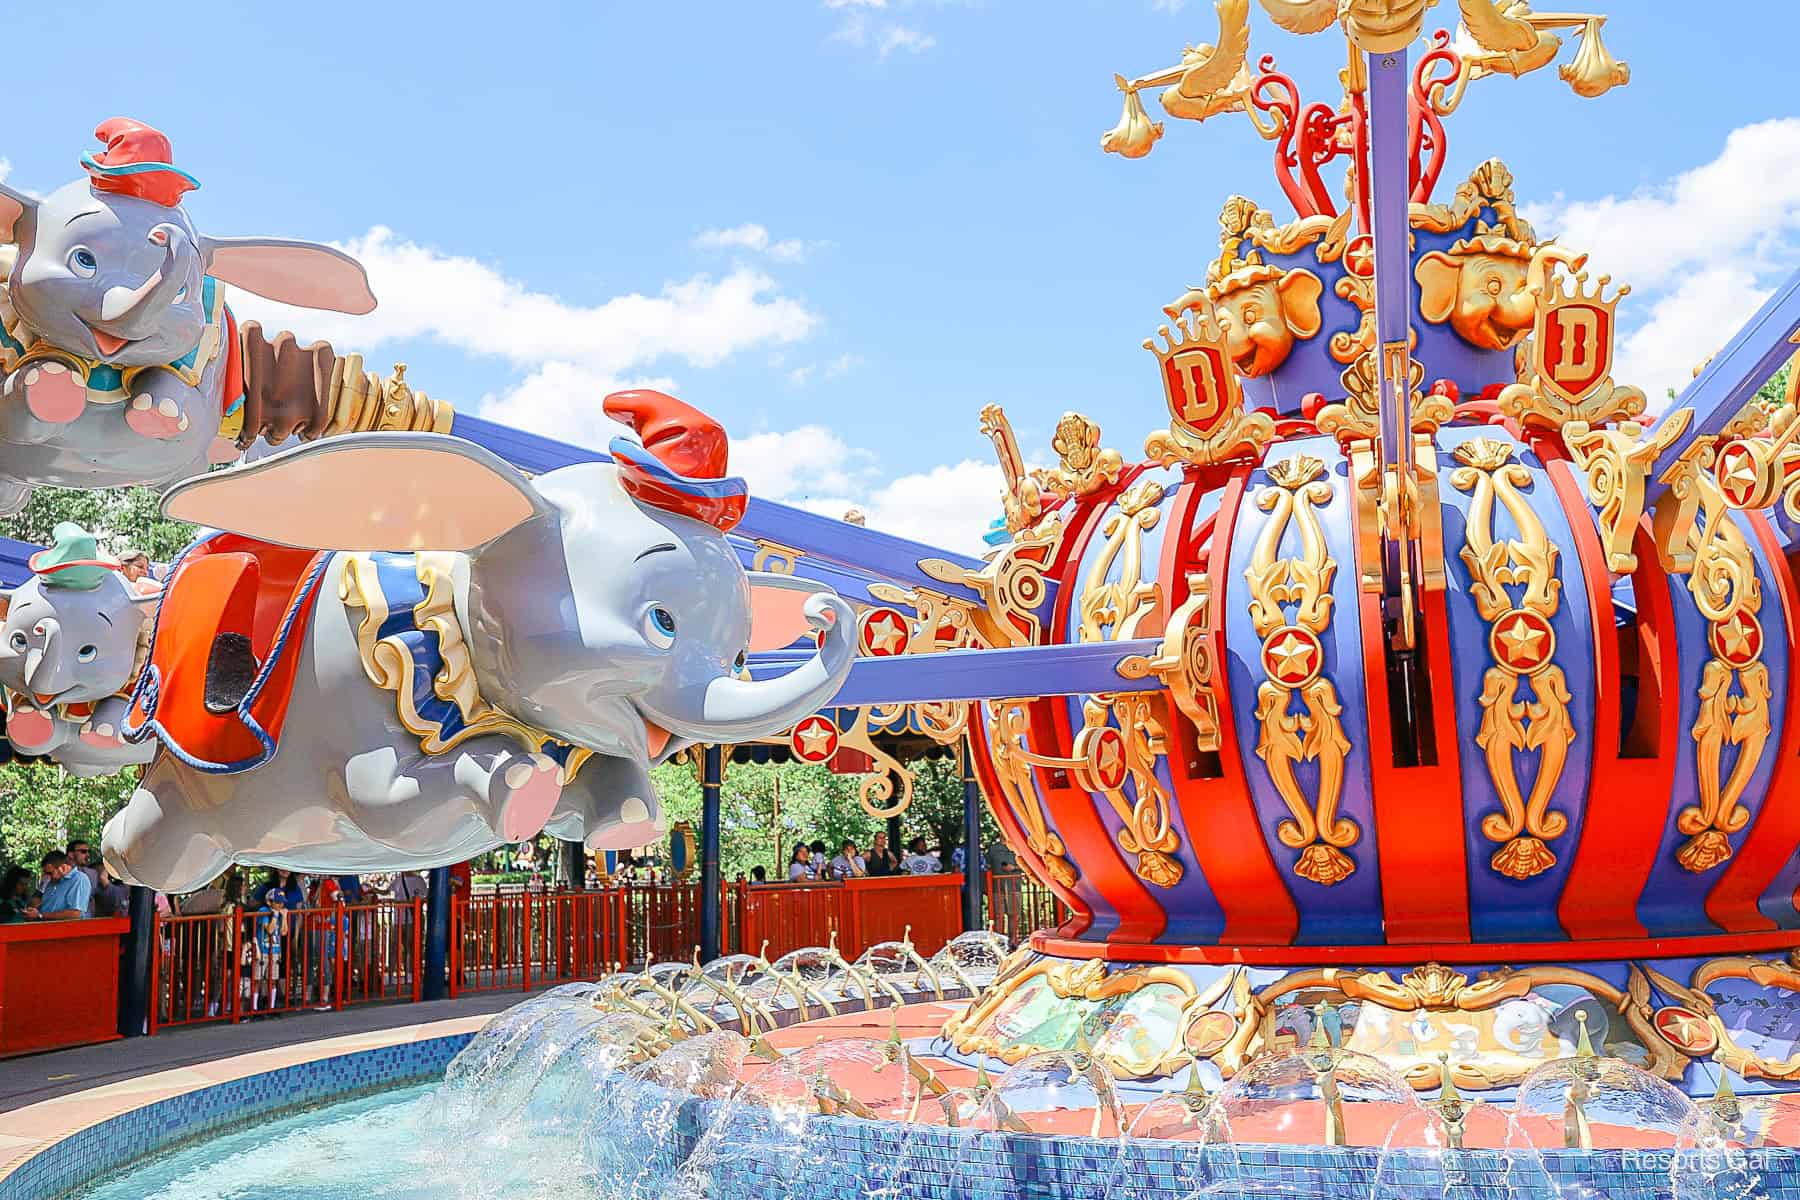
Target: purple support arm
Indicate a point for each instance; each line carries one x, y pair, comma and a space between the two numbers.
1084, 669
1391, 188
1726, 384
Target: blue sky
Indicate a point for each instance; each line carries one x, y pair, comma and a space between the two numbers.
534, 186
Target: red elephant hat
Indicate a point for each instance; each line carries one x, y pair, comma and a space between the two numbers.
679, 463
137, 161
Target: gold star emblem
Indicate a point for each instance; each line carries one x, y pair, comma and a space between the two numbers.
1290, 652
815, 736
1361, 257
1523, 637
885, 634
1682, 1028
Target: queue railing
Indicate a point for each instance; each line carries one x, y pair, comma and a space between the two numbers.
230, 966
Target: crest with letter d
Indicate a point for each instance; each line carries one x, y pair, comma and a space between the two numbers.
1207, 422
1569, 374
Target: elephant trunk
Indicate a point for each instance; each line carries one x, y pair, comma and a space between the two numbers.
156, 292
733, 710
46, 674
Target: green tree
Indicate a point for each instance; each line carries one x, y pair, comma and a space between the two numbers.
814, 804
42, 808
122, 518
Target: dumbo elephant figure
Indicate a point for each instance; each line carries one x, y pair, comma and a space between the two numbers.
570, 632
122, 365
69, 645
1261, 311
1480, 286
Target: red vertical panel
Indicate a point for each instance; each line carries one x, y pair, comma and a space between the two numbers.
1627, 804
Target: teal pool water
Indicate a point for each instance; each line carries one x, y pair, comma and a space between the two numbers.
388, 1146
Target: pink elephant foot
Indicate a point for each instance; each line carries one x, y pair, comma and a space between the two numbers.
153, 418
54, 394
29, 730
101, 736
533, 786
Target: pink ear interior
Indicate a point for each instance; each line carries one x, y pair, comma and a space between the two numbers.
777, 617
10, 212
309, 276
358, 497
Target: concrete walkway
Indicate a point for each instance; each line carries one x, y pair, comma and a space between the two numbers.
36, 1077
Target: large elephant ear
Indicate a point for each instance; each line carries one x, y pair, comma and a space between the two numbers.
368, 491
292, 272
778, 609
13, 205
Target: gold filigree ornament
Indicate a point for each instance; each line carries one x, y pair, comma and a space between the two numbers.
1293, 661
1121, 605
1734, 685
1357, 416
1568, 375
1009, 743
1184, 663
1521, 645
1207, 421
1085, 467
1121, 738
1615, 464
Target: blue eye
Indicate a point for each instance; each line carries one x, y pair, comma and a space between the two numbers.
659, 626
87, 653
83, 262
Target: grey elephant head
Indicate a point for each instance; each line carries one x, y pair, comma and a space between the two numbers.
605, 605
111, 267
71, 632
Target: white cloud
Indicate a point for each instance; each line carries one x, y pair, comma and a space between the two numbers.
1167, 6
562, 400
1686, 327
753, 237
855, 3
5, 168
466, 303
884, 37
901, 37
949, 506
1700, 250
835, 368
800, 463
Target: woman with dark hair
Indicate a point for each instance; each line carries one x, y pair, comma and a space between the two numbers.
15, 894
800, 865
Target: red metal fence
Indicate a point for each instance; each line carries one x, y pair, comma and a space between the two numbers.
228, 966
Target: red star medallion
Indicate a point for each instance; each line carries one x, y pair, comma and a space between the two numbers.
1686, 1030
1292, 656
1359, 256
884, 633
1739, 477
815, 739
1739, 641
1106, 758
1522, 641
1208, 1032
